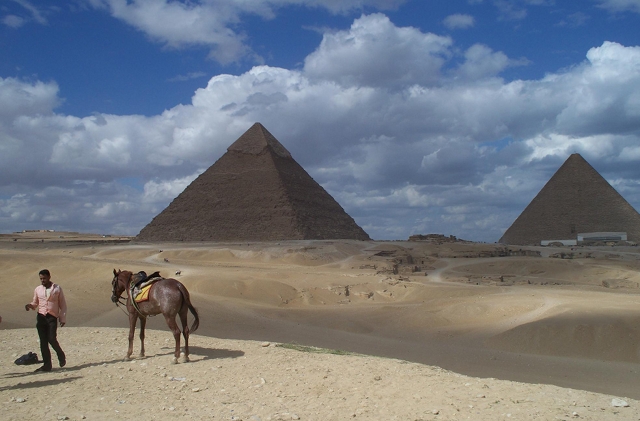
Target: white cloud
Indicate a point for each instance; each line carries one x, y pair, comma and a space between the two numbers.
188, 76
19, 98
510, 10
459, 21
482, 62
620, 5
402, 148
369, 53
213, 23
180, 25
574, 20
13, 21
26, 12
166, 190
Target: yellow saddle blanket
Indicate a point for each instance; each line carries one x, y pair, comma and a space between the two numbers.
143, 295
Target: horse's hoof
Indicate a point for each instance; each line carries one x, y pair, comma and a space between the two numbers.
141, 356
184, 358
174, 360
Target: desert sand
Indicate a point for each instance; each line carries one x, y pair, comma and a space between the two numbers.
463, 334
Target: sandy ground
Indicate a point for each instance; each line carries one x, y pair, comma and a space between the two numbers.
439, 313
246, 380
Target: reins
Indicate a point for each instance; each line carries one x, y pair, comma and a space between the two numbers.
124, 303
133, 301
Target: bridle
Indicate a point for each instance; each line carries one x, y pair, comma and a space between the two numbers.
117, 299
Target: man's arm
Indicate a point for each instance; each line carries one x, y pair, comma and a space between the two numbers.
33, 305
62, 306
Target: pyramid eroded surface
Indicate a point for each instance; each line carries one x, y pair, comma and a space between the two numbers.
255, 192
577, 199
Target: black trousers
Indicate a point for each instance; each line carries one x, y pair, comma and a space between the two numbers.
48, 332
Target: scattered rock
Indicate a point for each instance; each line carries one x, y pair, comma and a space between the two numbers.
619, 403
265, 344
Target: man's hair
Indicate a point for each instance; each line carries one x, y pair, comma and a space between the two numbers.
45, 272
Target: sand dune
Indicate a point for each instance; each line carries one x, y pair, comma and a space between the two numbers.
564, 322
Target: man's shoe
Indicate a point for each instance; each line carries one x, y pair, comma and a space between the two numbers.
43, 369
63, 362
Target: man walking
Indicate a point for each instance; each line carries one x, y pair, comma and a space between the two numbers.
49, 302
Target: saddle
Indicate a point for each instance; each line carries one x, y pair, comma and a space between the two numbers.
141, 284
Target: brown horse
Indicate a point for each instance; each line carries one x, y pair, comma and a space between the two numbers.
167, 296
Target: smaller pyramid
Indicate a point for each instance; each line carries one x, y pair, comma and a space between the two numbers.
255, 192
577, 199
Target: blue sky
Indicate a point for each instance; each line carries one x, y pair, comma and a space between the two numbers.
418, 116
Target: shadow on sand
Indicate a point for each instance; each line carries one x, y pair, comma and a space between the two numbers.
38, 383
203, 353
210, 353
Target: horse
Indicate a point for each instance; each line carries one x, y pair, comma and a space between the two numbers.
167, 296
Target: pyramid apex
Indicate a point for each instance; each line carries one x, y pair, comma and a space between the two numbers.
257, 139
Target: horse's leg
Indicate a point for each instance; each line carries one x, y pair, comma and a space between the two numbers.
185, 332
132, 329
143, 323
171, 322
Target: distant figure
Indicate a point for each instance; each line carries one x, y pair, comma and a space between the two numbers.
48, 301
166, 260
178, 272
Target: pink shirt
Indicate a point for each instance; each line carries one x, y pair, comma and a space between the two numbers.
54, 305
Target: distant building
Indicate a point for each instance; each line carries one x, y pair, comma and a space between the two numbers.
602, 236
561, 242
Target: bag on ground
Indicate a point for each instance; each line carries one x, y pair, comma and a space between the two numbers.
26, 359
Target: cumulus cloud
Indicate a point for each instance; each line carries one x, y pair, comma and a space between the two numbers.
369, 52
482, 62
459, 21
424, 146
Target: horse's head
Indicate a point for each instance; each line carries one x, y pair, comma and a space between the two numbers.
119, 284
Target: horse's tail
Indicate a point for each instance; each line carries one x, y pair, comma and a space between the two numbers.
187, 299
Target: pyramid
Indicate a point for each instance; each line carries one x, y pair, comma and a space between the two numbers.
577, 199
255, 192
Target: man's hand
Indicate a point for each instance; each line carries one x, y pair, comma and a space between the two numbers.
27, 307
62, 324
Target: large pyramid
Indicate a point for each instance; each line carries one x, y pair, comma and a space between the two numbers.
577, 199
255, 192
